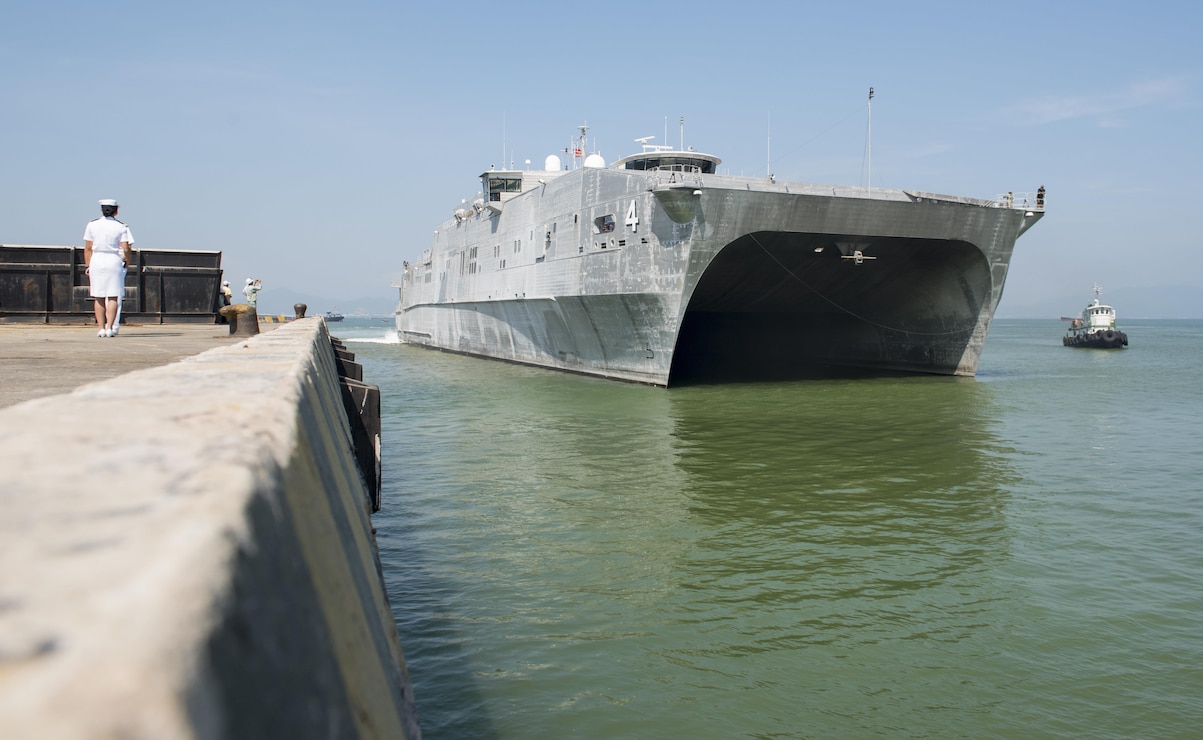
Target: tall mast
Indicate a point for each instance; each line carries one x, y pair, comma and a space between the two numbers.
870, 157
768, 149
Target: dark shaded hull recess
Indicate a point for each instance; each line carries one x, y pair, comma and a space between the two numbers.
775, 306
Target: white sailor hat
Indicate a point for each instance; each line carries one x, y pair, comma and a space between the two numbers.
249, 281
225, 282
108, 202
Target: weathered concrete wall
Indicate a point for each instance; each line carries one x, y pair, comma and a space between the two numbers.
185, 552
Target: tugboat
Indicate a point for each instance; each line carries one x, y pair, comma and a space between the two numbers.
333, 316
1095, 327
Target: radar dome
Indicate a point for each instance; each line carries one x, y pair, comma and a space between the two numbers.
596, 161
552, 163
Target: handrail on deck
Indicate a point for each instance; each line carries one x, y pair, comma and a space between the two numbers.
1023, 201
676, 173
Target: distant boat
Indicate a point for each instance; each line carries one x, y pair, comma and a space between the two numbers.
333, 316
1095, 328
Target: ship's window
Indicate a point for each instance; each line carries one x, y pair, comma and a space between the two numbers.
499, 185
503, 264
603, 224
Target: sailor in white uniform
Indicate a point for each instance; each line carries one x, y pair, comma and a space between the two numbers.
106, 253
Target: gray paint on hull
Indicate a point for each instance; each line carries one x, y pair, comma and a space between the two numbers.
721, 270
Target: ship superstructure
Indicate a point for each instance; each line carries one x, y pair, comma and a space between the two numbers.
658, 269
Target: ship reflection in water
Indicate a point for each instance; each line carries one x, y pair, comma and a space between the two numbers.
921, 556
648, 563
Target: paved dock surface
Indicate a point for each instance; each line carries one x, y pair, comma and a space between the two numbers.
39, 360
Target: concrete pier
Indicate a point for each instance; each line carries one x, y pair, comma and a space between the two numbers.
185, 548
43, 360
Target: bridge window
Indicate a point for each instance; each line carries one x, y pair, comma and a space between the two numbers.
673, 163
499, 185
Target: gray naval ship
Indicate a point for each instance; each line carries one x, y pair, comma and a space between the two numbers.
657, 269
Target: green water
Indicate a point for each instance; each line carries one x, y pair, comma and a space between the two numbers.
1016, 555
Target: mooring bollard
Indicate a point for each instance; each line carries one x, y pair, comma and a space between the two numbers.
300, 309
243, 318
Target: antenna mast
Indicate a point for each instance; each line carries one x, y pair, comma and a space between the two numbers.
870, 142
768, 149
682, 133
580, 149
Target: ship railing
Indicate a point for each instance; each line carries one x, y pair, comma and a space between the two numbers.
671, 174
1022, 201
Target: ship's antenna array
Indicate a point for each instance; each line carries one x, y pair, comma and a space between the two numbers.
580, 150
576, 149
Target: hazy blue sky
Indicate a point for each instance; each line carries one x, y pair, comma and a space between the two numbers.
317, 145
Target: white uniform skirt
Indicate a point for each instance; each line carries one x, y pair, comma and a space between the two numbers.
107, 275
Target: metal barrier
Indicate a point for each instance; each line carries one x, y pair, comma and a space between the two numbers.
1025, 201
48, 285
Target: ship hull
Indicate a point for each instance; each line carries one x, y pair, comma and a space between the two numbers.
1108, 339
664, 280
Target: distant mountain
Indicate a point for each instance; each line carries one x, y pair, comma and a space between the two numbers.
281, 301
1163, 302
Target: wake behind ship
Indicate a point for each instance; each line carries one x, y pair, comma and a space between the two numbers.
659, 270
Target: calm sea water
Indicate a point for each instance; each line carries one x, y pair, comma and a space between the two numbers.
1016, 555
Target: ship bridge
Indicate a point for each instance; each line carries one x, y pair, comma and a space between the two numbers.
664, 158
501, 185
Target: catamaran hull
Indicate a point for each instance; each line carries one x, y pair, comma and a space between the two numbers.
715, 278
